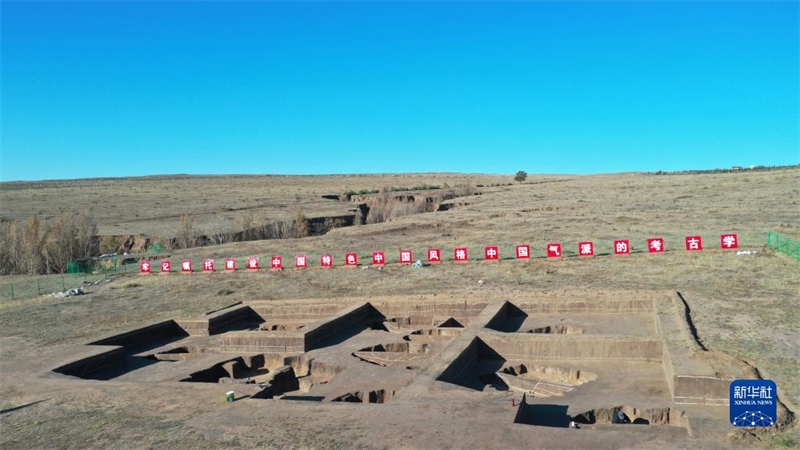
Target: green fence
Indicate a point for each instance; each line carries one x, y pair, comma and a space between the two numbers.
784, 245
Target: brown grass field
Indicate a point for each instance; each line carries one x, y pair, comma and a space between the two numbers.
745, 306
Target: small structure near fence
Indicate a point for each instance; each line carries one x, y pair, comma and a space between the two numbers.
784, 245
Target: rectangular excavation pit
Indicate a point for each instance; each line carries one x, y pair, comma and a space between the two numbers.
342, 327
237, 317
475, 367
402, 353
290, 332
122, 353
375, 396
607, 418
625, 317
431, 314
146, 338
235, 370
182, 353
604, 365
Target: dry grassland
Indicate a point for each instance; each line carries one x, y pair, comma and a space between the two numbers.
153, 205
746, 306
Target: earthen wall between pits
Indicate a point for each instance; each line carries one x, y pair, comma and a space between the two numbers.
434, 309
86, 366
262, 342
161, 330
318, 332
687, 389
666, 358
295, 312
462, 363
594, 306
578, 347
214, 322
701, 390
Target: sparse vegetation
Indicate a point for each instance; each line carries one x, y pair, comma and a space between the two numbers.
520, 176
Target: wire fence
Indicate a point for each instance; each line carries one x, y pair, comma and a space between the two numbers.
784, 245
47, 284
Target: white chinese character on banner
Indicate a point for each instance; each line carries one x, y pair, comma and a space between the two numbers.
230, 264
694, 244
326, 260
208, 264
656, 245
187, 266
252, 263
351, 259
433, 255
555, 250
146, 266
461, 254
522, 251
301, 261
729, 240
622, 247
586, 248
491, 252
378, 257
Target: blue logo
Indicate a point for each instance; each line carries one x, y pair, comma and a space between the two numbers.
754, 403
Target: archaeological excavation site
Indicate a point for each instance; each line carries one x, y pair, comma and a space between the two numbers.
553, 362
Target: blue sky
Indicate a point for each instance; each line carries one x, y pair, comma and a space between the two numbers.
101, 89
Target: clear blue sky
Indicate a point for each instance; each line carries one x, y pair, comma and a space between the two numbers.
137, 88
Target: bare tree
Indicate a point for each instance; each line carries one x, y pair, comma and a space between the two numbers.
301, 226
220, 231
247, 224
86, 230
71, 237
186, 234
33, 241
10, 247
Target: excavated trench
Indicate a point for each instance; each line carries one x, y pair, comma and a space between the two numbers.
393, 353
652, 416
236, 370
568, 376
377, 396
551, 415
280, 327
543, 381
311, 372
557, 329
183, 353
